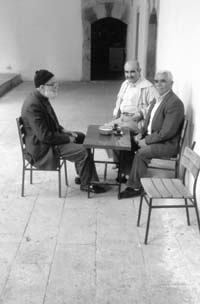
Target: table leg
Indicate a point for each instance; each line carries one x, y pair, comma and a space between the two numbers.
89, 184
119, 174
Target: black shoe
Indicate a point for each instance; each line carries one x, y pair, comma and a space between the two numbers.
123, 179
77, 180
130, 192
93, 188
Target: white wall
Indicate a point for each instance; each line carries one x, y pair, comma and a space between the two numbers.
41, 34
179, 51
8, 35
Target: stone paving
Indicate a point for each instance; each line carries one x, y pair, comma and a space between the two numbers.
75, 250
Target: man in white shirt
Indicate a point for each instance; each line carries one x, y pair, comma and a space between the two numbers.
133, 98
161, 132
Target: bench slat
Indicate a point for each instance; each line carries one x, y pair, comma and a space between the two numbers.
182, 189
160, 186
149, 187
171, 186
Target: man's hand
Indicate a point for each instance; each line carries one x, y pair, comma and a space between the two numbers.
72, 139
70, 133
74, 134
142, 143
137, 116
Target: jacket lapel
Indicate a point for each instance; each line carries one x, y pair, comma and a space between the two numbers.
162, 104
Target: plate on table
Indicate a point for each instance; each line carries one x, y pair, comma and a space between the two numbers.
105, 130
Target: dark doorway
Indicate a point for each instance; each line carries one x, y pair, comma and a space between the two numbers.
108, 42
151, 50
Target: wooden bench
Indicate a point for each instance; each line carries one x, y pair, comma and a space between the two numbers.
156, 189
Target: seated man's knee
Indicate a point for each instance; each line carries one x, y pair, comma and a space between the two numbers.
144, 152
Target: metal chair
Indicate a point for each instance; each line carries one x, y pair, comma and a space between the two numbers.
172, 163
172, 188
27, 166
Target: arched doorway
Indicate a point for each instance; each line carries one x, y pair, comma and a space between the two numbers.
151, 49
108, 42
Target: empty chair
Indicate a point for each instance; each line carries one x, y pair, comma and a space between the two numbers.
156, 189
27, 166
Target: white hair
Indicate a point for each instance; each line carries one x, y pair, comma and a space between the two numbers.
167, 74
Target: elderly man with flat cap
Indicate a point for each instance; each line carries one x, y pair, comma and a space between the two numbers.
46, 140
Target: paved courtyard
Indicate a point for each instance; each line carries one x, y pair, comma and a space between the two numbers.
75, 250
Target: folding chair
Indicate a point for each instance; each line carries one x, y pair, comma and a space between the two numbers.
172, 188
172, 163
27, 166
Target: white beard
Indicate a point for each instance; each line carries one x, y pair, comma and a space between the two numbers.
51, 94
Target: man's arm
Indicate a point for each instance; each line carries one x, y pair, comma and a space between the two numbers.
116, 111
36, 118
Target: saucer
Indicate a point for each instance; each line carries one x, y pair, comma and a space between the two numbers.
104, 130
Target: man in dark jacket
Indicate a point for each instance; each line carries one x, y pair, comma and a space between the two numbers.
46, 140
161, 133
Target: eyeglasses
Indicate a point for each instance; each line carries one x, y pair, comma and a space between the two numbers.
132, 71
160, 80
53, 84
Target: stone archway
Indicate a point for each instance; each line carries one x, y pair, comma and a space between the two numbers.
108, 42
93, 10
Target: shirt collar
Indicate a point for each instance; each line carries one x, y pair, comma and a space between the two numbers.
161, 97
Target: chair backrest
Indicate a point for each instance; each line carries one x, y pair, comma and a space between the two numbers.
21, 132
190, 160
182, 137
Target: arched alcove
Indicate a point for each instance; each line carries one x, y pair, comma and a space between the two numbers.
108, 42
151, 47
107, 12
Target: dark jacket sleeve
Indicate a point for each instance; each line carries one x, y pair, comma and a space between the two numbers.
43, 127
167, 122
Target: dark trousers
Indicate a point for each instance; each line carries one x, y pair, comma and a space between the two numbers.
143, 157
82, 157
126, 157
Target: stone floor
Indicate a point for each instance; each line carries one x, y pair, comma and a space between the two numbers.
75, 250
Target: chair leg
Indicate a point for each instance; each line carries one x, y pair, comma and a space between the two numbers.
148, 221
140, 210
197, 213
31, 176
66, 177
23, 178
187, 212
105, 172
89, 190
176, 173
59, 183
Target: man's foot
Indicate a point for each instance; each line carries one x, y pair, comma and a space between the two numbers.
130, 192
93, 188
77, 180
123, 179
